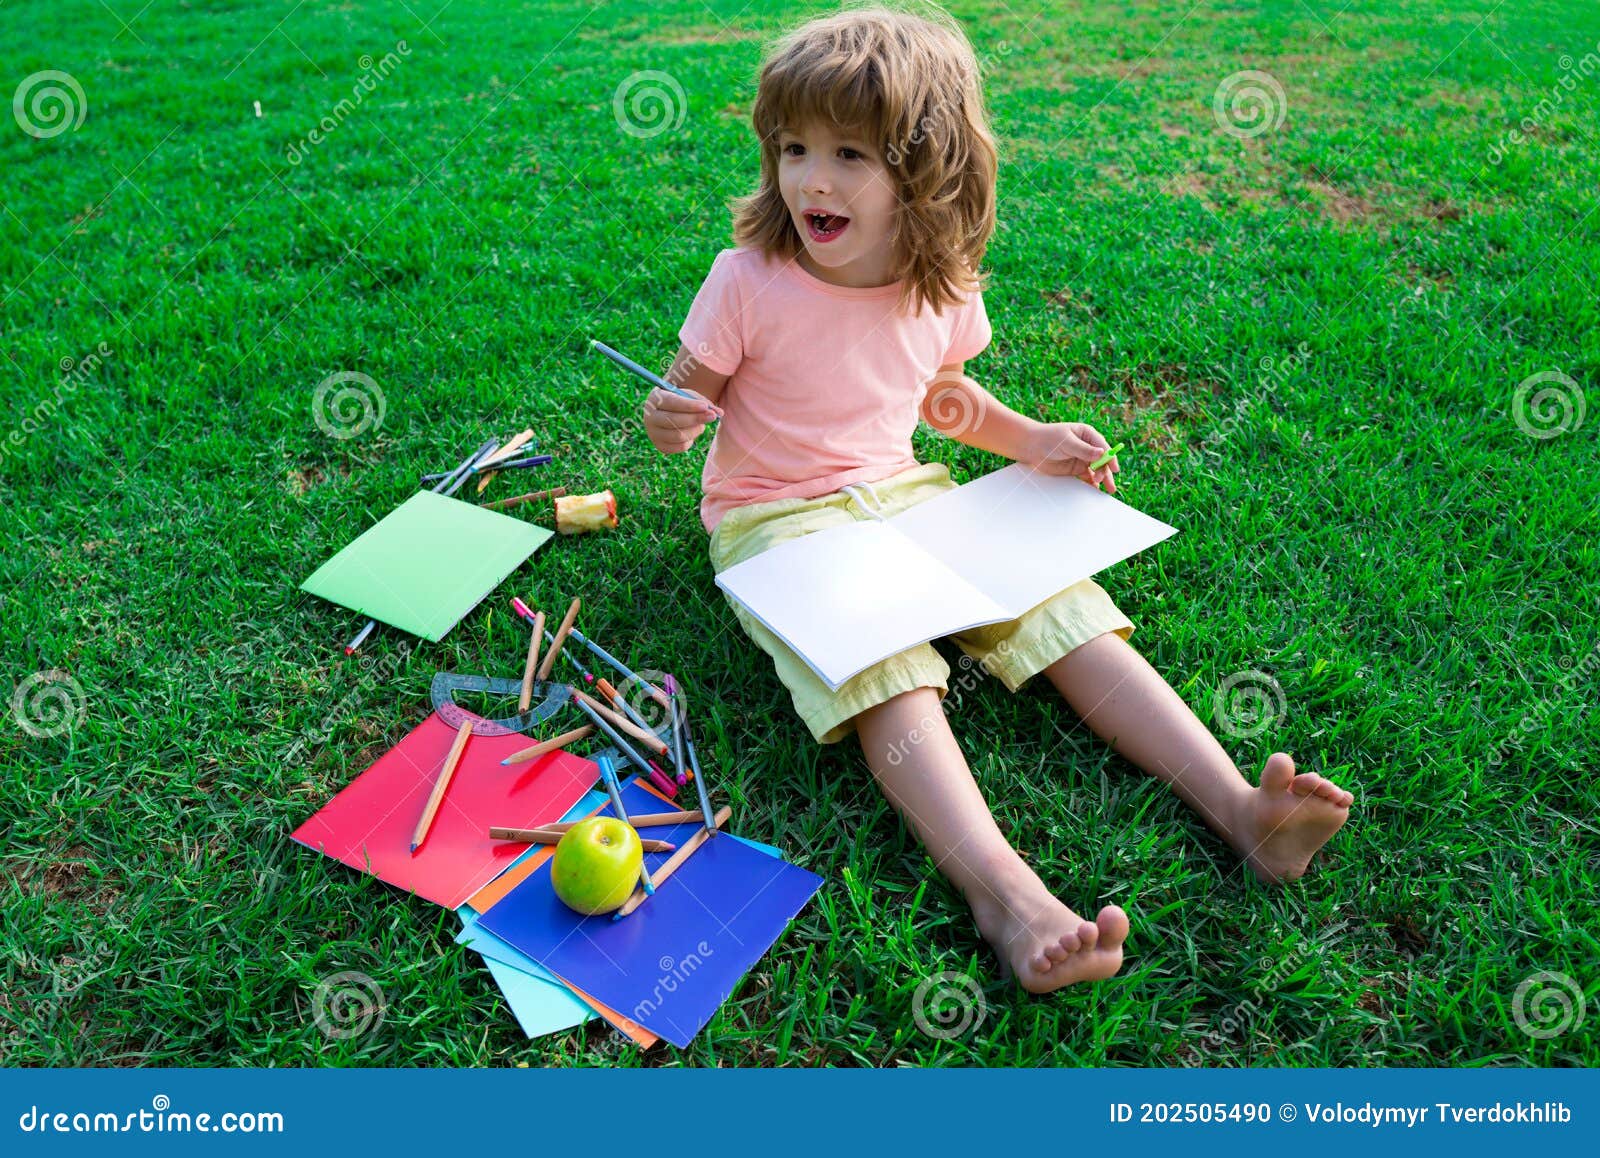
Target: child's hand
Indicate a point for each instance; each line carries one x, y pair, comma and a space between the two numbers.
673, 422
1067, 448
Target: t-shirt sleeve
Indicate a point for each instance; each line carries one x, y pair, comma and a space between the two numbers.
972, 332
713, 331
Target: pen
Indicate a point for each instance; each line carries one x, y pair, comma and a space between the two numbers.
614, 790
633, 367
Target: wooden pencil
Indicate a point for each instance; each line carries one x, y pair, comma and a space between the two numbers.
549, 745
526, 697
675, 861
649, 820
551, 836
567, 620
441, 785
502, 504
646, 737
507, 451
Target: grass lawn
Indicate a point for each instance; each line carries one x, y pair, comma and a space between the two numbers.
1310, 327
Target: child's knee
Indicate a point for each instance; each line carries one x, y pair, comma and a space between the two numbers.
902, 722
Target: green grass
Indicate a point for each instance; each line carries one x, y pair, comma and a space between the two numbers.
1364, 521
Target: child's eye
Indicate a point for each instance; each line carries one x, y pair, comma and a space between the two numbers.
793, 145
851, 154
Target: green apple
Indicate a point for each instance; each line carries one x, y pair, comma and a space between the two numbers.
597, 865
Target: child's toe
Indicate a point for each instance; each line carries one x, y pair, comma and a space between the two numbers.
1112, 927
1305, 783
1275, 777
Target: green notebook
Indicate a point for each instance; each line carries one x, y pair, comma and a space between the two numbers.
426, 564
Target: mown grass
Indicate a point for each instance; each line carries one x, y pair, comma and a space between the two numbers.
1311, 337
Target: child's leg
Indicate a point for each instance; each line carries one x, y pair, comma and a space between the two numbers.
1276, 827
920, 768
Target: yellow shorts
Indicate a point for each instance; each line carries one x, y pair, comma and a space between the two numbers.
1014, 650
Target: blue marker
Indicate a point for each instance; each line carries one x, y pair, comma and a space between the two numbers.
608, 773
654, 379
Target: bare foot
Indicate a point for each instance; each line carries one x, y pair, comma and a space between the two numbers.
1046, 944
1284, 822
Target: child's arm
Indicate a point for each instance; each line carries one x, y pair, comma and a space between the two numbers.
672, 421
959, 408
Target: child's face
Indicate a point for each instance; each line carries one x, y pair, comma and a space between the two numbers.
826, 168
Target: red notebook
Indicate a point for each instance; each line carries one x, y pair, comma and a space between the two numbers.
369, 825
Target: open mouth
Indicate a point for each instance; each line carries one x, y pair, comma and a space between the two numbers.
825, 227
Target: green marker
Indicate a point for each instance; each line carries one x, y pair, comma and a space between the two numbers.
1106, 457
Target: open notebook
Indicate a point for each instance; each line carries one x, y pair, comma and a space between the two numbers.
985, 552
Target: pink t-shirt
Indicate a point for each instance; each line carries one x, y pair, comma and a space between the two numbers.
825, 382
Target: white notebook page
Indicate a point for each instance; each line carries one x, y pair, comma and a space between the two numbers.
1021, 536
852, 595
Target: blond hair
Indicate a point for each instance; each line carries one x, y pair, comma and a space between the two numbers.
909, 83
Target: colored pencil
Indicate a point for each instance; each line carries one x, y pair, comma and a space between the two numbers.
663, 783
513, 464
550, 836
646, 820
608, 773
633, 367
361, 637
441, 785
675, 862
1106, 457
502, 504
561, 638
566, 654
677, 726
526, 697
623, 746
699, 777
620, 668
549, 745
509, 450
452, 487
644, 735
